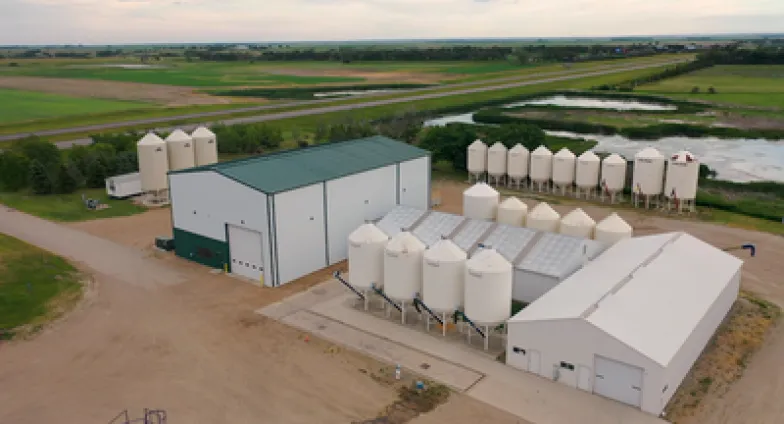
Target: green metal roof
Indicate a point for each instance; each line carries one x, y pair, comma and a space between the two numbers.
290, 169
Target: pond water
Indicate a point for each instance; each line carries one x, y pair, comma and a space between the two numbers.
350, 93
465, 118
130, 66
610, 104
739, 160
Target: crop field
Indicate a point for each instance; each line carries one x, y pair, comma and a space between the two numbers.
19, 106
749, 85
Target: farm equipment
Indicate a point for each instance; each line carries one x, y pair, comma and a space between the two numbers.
93, 204
164, 243
748, 246
151, 416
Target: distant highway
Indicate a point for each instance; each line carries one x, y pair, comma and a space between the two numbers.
516, 81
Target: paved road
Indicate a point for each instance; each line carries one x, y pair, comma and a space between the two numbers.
471, 87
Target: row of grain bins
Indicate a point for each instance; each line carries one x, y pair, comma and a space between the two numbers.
564, 171
482, 202
179, 151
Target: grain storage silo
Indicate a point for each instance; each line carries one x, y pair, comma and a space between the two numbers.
512, 211
543, 218
403, 268
612, 229
517, 164
577, 223
366, 257
648, 177
205, 146
153, 165
477, 160
541, 167
496, 163
587, 174
563, 170
180, 147
480, 201
443, 276
488, 290
683, 174
613, 178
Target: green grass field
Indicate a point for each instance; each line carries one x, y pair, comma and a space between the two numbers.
35, 286
748, 85
69, 207
19, 106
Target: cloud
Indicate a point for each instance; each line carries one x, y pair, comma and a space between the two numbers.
139, 21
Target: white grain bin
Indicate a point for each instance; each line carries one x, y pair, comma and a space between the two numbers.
612, 229
403, 267
563, 169
543, 218
480, 201
648, 175
443, 275
488, 288
541, 167
683, 174
205, 145
477, 159
180, 146
496, 162
153, 163
577, 223
613, 177
517, 164
512, 211
587, 174
366, 247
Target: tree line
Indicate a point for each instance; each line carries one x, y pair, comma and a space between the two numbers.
732, 55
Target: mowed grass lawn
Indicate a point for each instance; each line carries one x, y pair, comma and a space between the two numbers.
35, 286
69, 207
750, 85
19, 106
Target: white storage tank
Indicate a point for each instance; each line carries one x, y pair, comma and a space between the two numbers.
496, 162
541, 167
577, 223
180, 147
683, 174
612, 229
480, 201
477, 158
587, 175
648, 179
366, 247
403, 267
443, 276
613, 175
205, 146
563, 169
488, 288
543, 218
153, 163
512, 211
517, 164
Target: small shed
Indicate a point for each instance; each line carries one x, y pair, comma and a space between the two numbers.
124, 186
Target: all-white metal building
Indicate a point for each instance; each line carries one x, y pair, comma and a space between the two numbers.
630, 324
277, 217
124, 186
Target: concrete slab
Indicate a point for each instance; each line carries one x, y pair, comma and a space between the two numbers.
326, 310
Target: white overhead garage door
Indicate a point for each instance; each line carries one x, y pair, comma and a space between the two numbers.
619, 381
245, 253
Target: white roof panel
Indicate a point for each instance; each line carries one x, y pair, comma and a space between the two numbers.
558, 255
435, 225
398, 218
509, 241
648, 292
471, 233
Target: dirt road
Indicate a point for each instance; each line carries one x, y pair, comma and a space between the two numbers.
459, 89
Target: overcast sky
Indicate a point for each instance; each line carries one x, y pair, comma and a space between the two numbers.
151, 21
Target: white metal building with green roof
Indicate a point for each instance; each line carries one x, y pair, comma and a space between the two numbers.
277, 217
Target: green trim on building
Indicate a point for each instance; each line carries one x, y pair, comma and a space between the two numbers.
204, 250
291, 169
